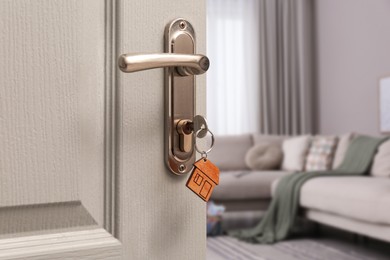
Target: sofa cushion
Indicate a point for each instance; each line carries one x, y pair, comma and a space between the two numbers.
381, 165
229, 152
261, 138
359, 197
321, 153
264, 156
243, 185
294, 153
341, 149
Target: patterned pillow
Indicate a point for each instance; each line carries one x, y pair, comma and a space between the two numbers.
321, 153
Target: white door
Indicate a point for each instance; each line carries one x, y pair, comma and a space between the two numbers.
82, 171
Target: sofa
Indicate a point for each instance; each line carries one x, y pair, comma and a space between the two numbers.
359, 204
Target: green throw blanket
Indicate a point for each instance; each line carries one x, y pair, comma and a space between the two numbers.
279, 219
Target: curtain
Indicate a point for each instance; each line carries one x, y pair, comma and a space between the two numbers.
233, 78
260, 78
286, 74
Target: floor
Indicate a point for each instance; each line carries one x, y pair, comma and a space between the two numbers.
226, 248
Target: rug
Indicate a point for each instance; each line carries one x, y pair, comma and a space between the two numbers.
228, 248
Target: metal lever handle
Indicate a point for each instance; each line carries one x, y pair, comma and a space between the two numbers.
186, 64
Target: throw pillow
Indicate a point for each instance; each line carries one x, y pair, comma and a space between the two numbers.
264, 156
341, 149
321, 153
381, 165
294, 153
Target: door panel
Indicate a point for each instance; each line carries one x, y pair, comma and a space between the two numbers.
81, 144
159, 218
52, 128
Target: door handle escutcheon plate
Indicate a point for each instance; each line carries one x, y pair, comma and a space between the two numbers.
180, 102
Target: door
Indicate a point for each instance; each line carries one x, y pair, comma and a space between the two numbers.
82, 169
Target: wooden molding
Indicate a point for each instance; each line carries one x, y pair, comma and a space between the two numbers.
86, 244
111, 109
40, 217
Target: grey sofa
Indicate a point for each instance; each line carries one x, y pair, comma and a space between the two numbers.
360, 204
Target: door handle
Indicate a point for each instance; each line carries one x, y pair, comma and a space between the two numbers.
181, 65
186, 64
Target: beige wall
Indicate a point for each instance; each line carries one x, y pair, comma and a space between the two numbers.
353, 51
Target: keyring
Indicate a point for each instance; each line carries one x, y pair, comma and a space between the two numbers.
204, 153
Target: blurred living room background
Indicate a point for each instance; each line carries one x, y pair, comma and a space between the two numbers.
304, 77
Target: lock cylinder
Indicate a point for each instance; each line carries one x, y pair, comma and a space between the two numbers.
185, 130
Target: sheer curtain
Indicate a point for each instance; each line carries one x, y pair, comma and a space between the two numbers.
260, 77
233, 91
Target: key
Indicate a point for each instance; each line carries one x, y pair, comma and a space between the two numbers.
200, 122
203, 179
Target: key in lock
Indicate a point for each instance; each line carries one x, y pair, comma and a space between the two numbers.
186, 130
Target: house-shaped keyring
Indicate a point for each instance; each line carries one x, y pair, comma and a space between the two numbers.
203, 179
